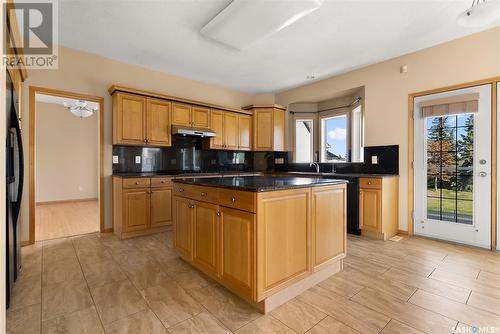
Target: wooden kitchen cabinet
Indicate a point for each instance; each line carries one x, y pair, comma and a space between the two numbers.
129, 119
141, 205
158, 123
141, 121
137, 209
161, 206
183, 226
328, 221
190, 115
268, 127
232, 131
244, 132
206, 236
237, 250
378, 207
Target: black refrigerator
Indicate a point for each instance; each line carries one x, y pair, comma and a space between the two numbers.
14, 187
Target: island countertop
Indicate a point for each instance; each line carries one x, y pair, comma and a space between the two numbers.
260, 183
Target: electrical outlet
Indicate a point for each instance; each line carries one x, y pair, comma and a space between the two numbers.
137, 159
374, 160
115, 159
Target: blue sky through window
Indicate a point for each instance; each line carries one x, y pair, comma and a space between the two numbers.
336, 138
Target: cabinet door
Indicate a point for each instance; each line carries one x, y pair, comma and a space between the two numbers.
231, 131
183, 227
136, 209
201, 117
161, 207
263, 130
158, 123
181, 114
217, 125
244, 132
237, 261
328, 223
278, 130
129, 114
206, 225
370, 210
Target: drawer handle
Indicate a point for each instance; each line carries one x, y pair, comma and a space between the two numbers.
203, 194
369, 182
181, 190
137, 182
191, 206
233, 199
162, 181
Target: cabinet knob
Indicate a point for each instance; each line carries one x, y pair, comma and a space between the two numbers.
233, 199
181, 190
218, 213
136, 183
191, 206
369, 182
162, 181
203, 194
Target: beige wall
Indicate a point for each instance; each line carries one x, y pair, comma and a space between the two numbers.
86, 73
386, 90
66, 154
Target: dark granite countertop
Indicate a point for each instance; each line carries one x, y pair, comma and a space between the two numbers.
334, 175
178, 174
260, 183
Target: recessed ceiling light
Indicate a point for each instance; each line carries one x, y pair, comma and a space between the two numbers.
481, 13
244, 22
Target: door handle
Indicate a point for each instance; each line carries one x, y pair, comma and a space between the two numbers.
482, 174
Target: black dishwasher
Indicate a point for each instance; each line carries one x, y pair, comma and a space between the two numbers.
352, 203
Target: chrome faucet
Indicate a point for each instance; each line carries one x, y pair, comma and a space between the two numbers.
316, 165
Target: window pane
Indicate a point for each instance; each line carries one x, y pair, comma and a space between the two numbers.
433, 208
356, 135
464, 214
334, 139
433, 185
448, 210
303, 140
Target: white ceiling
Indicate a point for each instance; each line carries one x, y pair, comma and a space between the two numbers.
60, 100
338, 37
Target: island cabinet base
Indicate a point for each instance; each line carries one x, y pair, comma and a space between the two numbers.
266, 247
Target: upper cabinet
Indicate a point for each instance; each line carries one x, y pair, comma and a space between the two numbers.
138, 120
233, 131
190, 115
129, 119
268, 127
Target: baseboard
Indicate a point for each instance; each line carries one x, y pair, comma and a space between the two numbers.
108, 230
402, 232
68, 201
25, 243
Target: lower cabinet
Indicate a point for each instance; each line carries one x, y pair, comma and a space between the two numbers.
237, 249
378, 207
183, 226
206, 236
141, 206
328, 224
217, 240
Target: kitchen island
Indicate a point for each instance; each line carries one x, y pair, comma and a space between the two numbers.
265, 238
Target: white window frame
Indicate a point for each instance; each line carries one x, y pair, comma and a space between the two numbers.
323, 134
303, 119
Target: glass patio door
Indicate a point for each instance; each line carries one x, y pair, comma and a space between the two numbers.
452, 166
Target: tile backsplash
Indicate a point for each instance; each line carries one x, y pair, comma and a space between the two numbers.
187, 155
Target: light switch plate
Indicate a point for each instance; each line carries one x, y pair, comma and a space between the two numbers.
374, 160
115, 159
137, 159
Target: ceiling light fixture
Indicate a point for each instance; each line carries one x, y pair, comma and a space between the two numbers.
480, 14
80, 108
244, 22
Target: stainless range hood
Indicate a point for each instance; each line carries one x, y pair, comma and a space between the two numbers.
191, 132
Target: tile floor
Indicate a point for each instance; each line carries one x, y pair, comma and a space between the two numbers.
97, 284
59, 220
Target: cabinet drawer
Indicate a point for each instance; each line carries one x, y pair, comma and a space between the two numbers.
373, 183
136, 182
161, 182
205, 194
243, 200
183, 190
